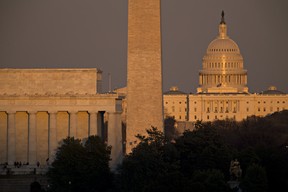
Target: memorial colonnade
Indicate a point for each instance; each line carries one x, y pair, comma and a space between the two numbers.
31, 129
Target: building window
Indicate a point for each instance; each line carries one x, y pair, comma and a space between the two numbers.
207, 116
195, 109
185, 109
258, 108
247, 109
264, 109
173, 109
166, 102
215, 116
180, 117
180, 102
208, 110
195, 117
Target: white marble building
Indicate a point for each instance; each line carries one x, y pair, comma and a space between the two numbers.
40, 107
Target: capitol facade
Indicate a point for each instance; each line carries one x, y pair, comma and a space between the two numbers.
223, 91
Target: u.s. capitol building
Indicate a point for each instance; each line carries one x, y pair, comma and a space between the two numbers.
223, 92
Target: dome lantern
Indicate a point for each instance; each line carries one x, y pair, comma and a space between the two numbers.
223, 28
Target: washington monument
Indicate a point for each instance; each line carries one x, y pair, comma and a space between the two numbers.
144, 73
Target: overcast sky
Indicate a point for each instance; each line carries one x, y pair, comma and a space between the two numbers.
93, 34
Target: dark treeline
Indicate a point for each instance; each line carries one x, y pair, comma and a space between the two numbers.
197, 161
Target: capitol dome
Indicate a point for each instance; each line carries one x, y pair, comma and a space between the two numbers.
226, 45
222, 70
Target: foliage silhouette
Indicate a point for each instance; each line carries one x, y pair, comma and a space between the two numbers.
79, 167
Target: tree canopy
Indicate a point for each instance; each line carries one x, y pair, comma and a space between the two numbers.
199, 160
81, 166
196, 161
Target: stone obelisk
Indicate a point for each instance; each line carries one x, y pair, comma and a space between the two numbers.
144, 82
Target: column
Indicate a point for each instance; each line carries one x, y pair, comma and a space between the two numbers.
245, 79
101, 125
72, 123
32, 140
93, 123
52, 146
11, 138
115, 138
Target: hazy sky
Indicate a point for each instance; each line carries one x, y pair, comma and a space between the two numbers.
93, 34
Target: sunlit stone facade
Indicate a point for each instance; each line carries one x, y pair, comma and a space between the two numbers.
222, 70
144, 70
223, 92
176, 104
40, 107
210, 107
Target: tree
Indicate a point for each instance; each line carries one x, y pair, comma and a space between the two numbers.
255, 179
152, 165
208, 180
169, 128
96, 168
79, 167
35, 187
203, 149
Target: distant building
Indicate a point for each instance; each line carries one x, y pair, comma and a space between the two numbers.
222, 70
40, 107
176, 104
223, 92
237, 106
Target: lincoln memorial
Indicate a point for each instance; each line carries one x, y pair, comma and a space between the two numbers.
41, 107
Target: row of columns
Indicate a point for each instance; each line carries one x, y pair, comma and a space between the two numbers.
95, 119
232, 106
226, 65
216, 79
